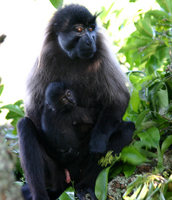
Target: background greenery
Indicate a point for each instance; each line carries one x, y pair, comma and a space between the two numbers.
146, 55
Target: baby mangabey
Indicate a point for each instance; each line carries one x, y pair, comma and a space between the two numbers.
64, 123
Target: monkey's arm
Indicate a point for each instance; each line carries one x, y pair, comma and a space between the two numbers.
108, 122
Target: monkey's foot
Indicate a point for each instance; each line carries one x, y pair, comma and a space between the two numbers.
86, 194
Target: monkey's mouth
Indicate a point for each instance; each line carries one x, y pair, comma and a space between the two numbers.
71, 105
87, 54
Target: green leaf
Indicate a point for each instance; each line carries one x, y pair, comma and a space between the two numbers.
162, 101
101, 184
68, 194
151, 189
144, 126
12, 115
135, 100
166, 143
128, 170
166, 5
14, 108
151, 136
153, 95
132, 156
115, 171
143, 192
152, 65
1, 89
136, 186
160, 166
147, 154
159, 14
144, 27
141, 117
19, 103
57, 3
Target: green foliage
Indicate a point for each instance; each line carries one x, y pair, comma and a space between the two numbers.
101, 184
68, 194
148, 50
107, 160
147, 55
149, 187
15, 112
56, 3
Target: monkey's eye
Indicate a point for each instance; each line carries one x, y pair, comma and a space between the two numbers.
90, 29
80, 29
68, 94
63, 99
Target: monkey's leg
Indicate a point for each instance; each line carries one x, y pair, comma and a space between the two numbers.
87, 185
31, 159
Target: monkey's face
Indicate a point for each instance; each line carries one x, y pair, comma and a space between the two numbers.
68, 100
79, 42
75, 28
60, 98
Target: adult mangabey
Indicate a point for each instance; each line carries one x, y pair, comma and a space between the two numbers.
74, 51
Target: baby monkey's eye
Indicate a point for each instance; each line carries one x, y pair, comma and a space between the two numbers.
63, 99
68, 94
90, 29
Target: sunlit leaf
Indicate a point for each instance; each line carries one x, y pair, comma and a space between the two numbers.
135, 100
162, 101
166, 143
56, 3
146, 153
166, 5
68, 194
128, 170
136, 186
141, 117
143, 192
159, 14
144, 126
152, 65
1, 89
101, 184
144, 28
132, 156
14, 108
12, 115
151, 136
